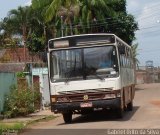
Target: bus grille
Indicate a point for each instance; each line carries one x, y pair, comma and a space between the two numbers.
75, 96
90, 97
84, 91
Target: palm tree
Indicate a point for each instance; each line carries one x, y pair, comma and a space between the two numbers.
134, 56
134, 53
94, 16
19, 17
68, 13
54, 10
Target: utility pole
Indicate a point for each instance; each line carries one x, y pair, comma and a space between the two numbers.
62, 27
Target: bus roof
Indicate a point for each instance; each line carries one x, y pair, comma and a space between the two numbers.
91, 36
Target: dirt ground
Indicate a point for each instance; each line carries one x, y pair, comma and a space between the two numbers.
145, 115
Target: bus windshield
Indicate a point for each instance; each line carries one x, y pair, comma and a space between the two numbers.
83, 63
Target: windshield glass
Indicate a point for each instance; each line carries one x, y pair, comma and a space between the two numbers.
84, 63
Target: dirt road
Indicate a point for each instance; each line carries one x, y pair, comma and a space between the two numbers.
145, 115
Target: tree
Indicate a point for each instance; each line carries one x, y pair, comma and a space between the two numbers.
67, 12
6, 29
95, 16
92, 15
44, 20
19, 18
109, 17
37, 34
56, 10
134, 53
135, 60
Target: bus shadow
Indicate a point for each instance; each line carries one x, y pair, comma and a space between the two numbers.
138, 89
107, 115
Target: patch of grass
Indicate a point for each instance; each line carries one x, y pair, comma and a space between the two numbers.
43, 119
15, 127
6, 128
48, 118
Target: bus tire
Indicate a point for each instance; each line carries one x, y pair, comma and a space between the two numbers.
119, 113
67, 117
130, 106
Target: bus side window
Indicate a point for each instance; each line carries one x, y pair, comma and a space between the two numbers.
130, 59
121, 50
121, 61
126, 57
125, 61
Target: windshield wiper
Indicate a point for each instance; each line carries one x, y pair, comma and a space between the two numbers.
99, 77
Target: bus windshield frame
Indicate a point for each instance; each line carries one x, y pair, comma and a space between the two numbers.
84, 63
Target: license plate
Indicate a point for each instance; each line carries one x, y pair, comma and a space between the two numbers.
85, 105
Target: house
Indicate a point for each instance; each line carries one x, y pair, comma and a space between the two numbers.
13, 61
17, 55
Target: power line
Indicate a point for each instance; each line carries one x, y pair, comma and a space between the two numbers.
150, 15
150, 7
111, 21
96, 24
153, 51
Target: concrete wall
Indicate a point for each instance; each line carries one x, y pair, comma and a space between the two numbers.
6, 81
141, 77
44, 84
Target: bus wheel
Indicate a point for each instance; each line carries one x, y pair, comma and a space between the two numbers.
130, 106
67, 117
120, 112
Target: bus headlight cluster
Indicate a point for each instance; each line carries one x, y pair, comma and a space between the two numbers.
59, 99
109, 95
62, 99
53, 99
119, 94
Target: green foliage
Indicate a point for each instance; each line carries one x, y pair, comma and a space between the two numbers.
42, 20
35, 43
20, 74
20, 102
134, 53
6, 128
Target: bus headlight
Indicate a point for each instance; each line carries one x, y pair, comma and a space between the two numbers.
109, 95
53, 99
62, 99
119, 94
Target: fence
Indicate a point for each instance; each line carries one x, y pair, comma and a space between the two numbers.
18, 56
6, 81
148, 75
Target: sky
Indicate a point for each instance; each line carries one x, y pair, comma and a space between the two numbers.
146, 13
7, 5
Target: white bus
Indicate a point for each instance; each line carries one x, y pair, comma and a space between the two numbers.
90, 72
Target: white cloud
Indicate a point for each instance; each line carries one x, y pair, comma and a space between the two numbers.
147, 13
28, 3
148, 18
133, 5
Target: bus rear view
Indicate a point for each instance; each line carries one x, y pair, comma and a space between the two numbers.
85, 75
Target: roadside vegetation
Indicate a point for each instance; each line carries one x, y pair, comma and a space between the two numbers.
8, 128
32, 26
20, 102
18, 126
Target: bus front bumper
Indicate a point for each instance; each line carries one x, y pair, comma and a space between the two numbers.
68, 107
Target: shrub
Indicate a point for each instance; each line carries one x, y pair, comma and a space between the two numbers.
20, 102
20, 74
